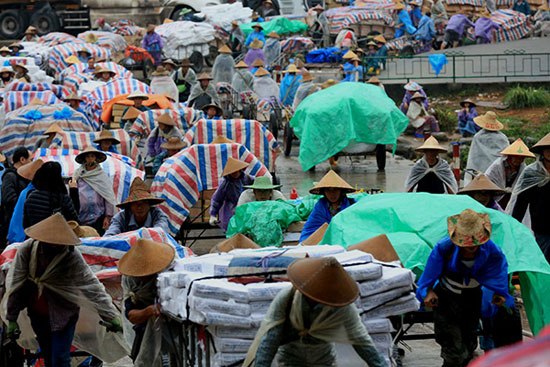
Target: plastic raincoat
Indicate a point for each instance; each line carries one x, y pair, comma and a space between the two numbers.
289, 86
242, 80
321, 215
252, 55
223, 68
272, 50
265, 87
485, 148
403, 23
165, 84
441, 169
199, 97
304, 90
352, 73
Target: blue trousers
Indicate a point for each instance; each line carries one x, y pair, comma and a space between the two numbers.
54, 345
468, 128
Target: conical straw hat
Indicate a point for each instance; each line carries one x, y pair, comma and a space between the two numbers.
105, 70
482, 183
469, 228
256, 44
173, 143
333, 181
374, 80
72, 60
224, 50
36, 102
518, 148
53, 129
238, 241
316, 237
233, 165
431, 144
204, 76
220, 139
73, 97
83, 231
291, 69
5, 49
488, 121
467, 100
241, 65
273, 35
542, 144
107, 135
53, 230
306, 77
399, 6
261, 72
160, 71
328, 83
166, 119
418, 95
81, 157
324, 280
349, 55
136, 94
379, 247
139, 192
257, 63
27, 171
380, 39
131, 114
145, 258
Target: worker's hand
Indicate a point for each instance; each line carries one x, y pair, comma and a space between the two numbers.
498, 300
431, 299
13, 330
73, 184
154, 310
106, 222
113, 325
213, 220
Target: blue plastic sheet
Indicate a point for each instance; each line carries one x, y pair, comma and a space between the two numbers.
438, 61
322, 55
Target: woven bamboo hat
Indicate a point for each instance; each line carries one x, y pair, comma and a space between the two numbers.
81, 157
204, 76
27, 171
7, 70
241, 65
418, 95
328, 83
399, 6
374, 80
53, 129
15, 44
219, 110
166, 119
467, 100
349, 55
379, 247
169, 62
173, 143
431, 144
256, 44
324, 280
306, 77
238, 241
380, 39
53, 230
105, 70
106, 135
145, 258
160, 71
233, 165
469, 228
261, 72
258, 63
273, 35
83, 231
518, 148
137, 94
73, 97
150, 28
257, 25
542, 144
224, 50
139, 192
488, 121
482, 183
72, 60
186, 62
220, 139
316, 237
90, 38
36, 102
131, 114
291, 69
84, 51
262, 183
22, 66
5, 49
331, 181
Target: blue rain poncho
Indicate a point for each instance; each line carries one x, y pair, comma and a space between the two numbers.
289, 86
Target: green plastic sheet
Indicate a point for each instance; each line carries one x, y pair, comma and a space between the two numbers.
328, 121
415, 222
279, 25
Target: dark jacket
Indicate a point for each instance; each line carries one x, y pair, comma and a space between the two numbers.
41, 204
122, 222
12, 185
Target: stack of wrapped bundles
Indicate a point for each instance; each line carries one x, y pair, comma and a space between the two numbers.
230, 293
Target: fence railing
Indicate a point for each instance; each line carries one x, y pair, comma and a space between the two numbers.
496, 67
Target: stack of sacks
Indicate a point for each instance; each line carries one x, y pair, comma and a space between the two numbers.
181, 39
233, 312
37, 75
36, 50
222, 15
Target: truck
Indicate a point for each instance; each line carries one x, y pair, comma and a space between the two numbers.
75, 16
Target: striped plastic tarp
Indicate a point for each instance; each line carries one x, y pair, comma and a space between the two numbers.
22, 131
513, 25
343, 20
120, 173
108, 40
505, 3
19, 86
59, 53
121, 71
56, 38
250, 133
183, 176
73, 81
81, 140
263, 105
184, 117
465, 2
400, 43
103, 253
125, 27
16, 100
296, 44
220, 32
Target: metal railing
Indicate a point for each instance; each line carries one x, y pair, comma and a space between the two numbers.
516, 65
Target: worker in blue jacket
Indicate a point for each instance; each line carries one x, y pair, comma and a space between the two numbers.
334, 200
289, 85
258, 34
457, 268
402, 19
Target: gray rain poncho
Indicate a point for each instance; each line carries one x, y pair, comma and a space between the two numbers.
272, 50
265, 87
496, 173
196, 91
242, 80
165, 84
67, 276
223, 68
484, 150
304, 90
441, 169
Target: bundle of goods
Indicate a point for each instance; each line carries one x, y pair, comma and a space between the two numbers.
80, 68
36, 74
56, 38
222, 15
20, 86
228, 293
296, 44
181, 39
145, 122
125, 28
343, 17
108, 40
38, 51
57, 59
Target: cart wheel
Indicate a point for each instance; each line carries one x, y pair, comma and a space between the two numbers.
147, 67
381, 156
287, 142
273, 127
227, 114
212, 54
246, 112
197, 60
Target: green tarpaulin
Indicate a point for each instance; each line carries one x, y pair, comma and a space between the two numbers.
279, 25
328, 121
414, 223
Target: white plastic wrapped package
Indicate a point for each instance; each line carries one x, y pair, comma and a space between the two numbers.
222, 15
38, 51
232, 345
228, 359
366, 272
181, 39
36, 74
233, 332
304, 90
378, 326
229, 307
392, 277
259, 307
353, 256
220, 289
375, 300
219, 319
383, 341
223, 68
400, 306
209, 264
165, 84
265, 291
485, 148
